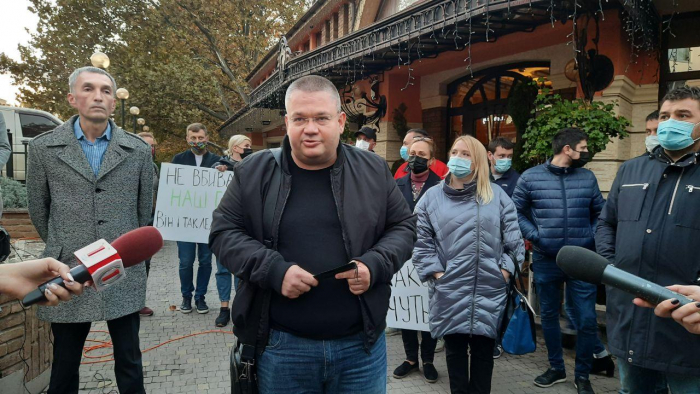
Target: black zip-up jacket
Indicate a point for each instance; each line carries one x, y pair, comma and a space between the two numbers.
378, 230
187, 158
650, 227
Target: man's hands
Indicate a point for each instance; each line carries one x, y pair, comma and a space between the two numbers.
687, 316
358, 279
297, 281
19, 279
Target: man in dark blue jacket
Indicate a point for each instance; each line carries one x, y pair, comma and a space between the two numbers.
198, 156
650, 228
558, 204
501, 160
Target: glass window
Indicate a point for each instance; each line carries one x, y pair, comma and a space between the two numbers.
33, 125
684, 59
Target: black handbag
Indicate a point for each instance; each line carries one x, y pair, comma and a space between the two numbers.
244, 378
5, 248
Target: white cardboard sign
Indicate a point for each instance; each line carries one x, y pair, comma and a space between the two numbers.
408, 306
187, 196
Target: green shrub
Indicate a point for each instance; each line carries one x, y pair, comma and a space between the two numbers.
552, 113
14, 194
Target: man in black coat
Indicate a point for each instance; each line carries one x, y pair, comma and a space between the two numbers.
336, 204
650, 228
198, 156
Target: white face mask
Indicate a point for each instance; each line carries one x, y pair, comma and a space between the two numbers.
652, 141
362, 144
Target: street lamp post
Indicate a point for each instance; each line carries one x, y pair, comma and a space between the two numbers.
146, 128
123, 94
134, 111
140, 121
100, 60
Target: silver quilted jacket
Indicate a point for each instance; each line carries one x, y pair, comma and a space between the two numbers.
470, 243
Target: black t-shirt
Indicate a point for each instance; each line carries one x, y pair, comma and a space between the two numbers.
310, 236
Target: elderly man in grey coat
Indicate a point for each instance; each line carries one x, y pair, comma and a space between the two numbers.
87, 180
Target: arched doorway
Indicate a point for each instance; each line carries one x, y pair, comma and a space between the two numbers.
478, 104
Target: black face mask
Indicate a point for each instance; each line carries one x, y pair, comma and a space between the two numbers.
418, 165
246, 153
584, 158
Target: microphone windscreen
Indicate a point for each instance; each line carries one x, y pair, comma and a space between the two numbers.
581, 263
138, 245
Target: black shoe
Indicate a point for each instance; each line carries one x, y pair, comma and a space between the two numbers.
604, 364
186, 306
497, 351
583, 386
550, 378
430, 373
201, 306
405, 369
224, 317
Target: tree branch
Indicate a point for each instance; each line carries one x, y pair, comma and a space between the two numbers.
204, 108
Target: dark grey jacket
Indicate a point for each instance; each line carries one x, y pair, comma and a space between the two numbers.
71, 208
470, 243
650, 227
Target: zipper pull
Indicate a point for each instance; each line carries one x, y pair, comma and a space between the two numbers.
646, 185
690, 188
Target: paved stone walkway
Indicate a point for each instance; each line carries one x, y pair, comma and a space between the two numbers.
199, 364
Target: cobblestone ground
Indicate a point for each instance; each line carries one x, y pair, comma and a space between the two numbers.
199, 364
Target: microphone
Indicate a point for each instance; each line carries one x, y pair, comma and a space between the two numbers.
588, 266
106, 264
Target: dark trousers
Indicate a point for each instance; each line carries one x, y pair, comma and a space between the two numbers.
463, 379
410, 345
68, 343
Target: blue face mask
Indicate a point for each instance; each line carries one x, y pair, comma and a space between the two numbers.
502, 165
675, 134
461, 168
404, 152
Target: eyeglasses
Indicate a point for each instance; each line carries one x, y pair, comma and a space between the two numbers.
319, 120
416, 139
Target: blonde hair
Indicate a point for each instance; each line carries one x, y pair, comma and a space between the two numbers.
481, 167
431, 145
148, 134
235, 141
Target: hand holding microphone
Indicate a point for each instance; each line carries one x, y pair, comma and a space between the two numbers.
19, 279
105, 264
688, 316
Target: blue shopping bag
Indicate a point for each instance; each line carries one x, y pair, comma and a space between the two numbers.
519, 335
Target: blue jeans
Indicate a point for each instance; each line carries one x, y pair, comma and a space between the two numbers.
291, 364
548, 281
571, 315
638, 380
186, 251
223, 282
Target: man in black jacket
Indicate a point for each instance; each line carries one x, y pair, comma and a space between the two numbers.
336, 204
650, 228
198, 156
503, 174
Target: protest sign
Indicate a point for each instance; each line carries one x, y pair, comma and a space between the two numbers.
187, 196
408, 306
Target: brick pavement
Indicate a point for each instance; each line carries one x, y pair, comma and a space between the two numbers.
200, 364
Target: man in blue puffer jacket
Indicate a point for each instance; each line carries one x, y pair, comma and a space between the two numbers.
558, 204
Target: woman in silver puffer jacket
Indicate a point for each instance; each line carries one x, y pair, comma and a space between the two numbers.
467, 228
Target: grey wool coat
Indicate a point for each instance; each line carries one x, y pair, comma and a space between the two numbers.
71, 208
470, 242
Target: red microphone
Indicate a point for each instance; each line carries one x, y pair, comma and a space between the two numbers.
106, 264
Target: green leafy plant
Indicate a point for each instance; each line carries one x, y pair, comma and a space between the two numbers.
552, 113
14, 194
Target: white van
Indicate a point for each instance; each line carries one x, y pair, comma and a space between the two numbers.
23, 124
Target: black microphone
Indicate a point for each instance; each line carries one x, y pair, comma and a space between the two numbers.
588, 266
